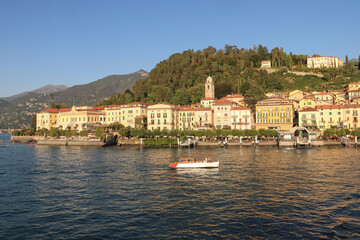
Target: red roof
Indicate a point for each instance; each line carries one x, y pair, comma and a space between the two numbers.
50, 110
208, 98
329, 106
352, 105
240, 108
187, 109
234, 96
203, 109
322, 93
308, 109
222, 102
358, 90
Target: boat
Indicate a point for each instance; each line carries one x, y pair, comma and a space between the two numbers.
194, 163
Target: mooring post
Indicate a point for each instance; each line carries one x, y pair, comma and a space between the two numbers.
240, 141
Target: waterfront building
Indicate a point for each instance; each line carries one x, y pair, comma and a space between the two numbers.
186, 117
48, 118
324, 62
240, 118
330, 116
141, 121
125, 114
204, 118
80, 118
207, 102
222, 117
351, 116
162, 116
309, 118
274, 113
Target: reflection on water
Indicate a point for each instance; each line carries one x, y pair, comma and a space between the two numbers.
79, 192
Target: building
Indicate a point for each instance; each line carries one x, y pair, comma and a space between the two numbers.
236, 98
309, 118
296, 95
324, 96
274, 113
204, 118
48, 118
222, 117
353, 86
162, 116
306, 102
266, 64
80, 118
351, 116
330, 116
324, 62
186, 117
240, 118
351, 94
209, 98
125, 114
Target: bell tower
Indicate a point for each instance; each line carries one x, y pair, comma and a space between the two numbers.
209, 88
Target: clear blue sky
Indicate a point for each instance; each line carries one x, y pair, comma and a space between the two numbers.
74, 42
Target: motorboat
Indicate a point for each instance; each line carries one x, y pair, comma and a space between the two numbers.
194, 163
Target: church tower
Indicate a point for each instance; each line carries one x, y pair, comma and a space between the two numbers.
209, 88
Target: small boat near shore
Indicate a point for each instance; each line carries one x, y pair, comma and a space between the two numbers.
194, 163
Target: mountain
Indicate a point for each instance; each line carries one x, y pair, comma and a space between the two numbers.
45, 89
18, 111
91, 93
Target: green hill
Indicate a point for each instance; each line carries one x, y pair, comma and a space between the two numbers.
180, 78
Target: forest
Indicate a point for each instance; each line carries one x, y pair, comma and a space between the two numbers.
179, 80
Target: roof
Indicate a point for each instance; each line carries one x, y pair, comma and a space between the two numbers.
222, 102
234, 96
322, 57
357, 90
203, 109
352, 105
308, 109
322, 93
50, 110
329, 106
208, 98
186, 109
240, 108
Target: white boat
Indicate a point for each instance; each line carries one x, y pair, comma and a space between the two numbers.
193, 163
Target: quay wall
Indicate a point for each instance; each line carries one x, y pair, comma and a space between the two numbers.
75, 142
24, 139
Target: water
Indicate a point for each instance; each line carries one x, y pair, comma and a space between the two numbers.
129, 193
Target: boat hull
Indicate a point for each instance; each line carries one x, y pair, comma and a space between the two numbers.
195, 165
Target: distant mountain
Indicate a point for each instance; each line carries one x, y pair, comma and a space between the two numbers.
45, 89
4, 103
18, 111
91, 93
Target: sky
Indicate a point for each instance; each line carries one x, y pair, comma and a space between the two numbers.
73, 42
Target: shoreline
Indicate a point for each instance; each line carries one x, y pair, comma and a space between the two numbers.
200, 144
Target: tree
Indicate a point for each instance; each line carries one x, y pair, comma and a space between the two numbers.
54, 132
84, 133
253, 95
33, 124
100, 133
329, 133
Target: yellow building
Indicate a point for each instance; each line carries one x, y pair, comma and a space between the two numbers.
48, 118
162, 116
125, 114
274, 113
351, 116
353, 86
296, 95
80, 118
186, 117
306, 102
324, 62
330, 116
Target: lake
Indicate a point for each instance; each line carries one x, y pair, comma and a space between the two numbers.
49, 192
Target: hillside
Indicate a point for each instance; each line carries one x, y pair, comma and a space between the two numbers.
180, 78
90, 94
45, 89
20, 110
